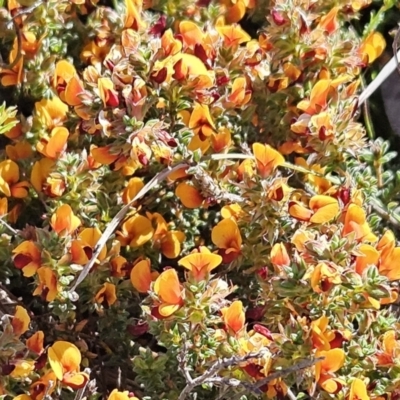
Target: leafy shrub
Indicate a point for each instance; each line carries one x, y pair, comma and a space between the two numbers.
190, 207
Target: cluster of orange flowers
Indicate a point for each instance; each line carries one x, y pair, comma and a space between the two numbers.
251, 248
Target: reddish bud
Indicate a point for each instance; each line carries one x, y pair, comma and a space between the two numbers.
255, 313
110, 65
222, 80
253, 370
113, 100
203, 3
143, 159
21, 261
263, 273
262, 330
6, 369
345, 195
179, 73
41, 361
159, 27
139, 329
278, 18
228, 257
199, 52
322, 133
160, 76
338, 340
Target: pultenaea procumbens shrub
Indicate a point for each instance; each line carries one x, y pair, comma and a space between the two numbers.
186, 203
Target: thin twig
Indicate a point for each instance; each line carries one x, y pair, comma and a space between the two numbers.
209, 188
9, 227
80, 392
384, 214
290, 394
377, 82
208, 376
282, 373
26, 10
395, 47
119, 217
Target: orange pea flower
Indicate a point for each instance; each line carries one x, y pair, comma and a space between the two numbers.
370, 256
320, 334
235, 10
9, 177
189, 195
43, 386
279, 256
119, 266
201, 122
22, 368
117, 395
324, 277
48, 287
358, 390
191, 68
133, 18
169, 291
27, 257
372, 47
35, 342
329, 22
233, 35
267, 159
94, 54
325, 369
133, 188
226, 236
200, 263
222, 140
386, 244
67, 83
168, 241
56, 145
19, 151
390, 349
232, 211
13, 76
20, 321
323, 338
135, 231
191, 33
50, 112
389, 265
3, 206
43, 180
64, 221
107, 294
245, 170
142, 277
170, 44
279, 190
104, 155
234, 317
320, 184
65, 359
322, 209
107, 93
197, 143
318, 98
22, 397
355, 221
82, 248
240, 94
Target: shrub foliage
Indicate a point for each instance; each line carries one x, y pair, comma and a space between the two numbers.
189, 205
